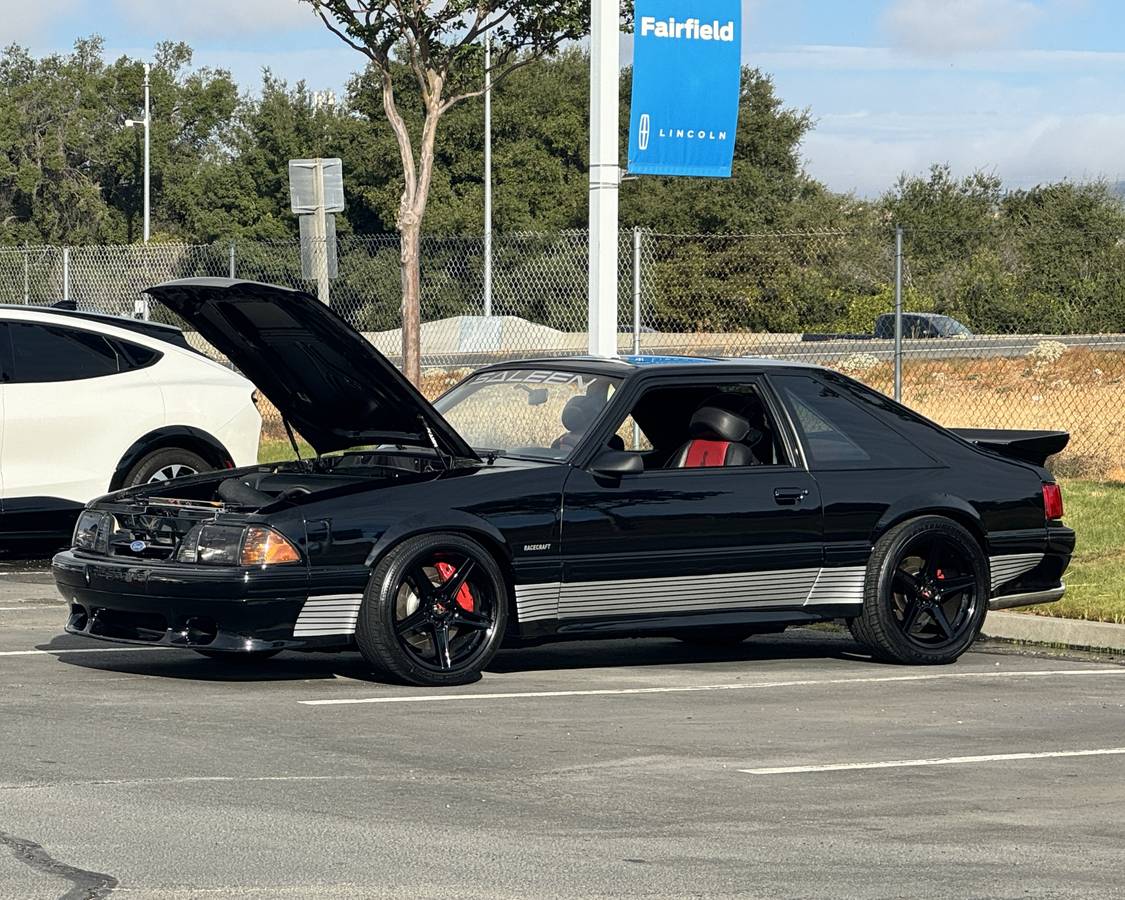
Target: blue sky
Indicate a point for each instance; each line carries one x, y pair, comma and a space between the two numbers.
1030, 89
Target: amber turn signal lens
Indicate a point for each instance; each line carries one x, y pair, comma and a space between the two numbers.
265, 547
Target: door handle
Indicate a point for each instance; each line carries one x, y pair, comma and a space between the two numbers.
789, 496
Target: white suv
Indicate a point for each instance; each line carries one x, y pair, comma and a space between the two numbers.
91, 403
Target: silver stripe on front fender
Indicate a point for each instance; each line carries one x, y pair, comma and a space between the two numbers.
328, 614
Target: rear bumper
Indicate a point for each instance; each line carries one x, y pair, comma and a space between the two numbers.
1029, 598
180, 606
1043, 583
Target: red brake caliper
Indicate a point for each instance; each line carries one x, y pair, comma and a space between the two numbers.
464, 595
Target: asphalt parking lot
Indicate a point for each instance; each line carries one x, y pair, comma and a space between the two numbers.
791, 767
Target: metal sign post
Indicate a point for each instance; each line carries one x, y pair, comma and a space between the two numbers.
605, 174
316, 188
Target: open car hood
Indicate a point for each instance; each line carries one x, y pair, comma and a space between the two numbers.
326, 379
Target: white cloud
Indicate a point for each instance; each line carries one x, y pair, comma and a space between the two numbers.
192, 19
24, 23
942, 27
1046, 149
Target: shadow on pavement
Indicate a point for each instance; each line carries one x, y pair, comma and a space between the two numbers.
566, 656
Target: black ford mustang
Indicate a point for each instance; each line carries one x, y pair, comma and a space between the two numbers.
550, 499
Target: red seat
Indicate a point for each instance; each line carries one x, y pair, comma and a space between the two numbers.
716, 440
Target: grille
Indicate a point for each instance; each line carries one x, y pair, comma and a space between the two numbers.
153, 532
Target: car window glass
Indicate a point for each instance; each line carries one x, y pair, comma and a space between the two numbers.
838, 434
134, 356
539, 413
632, 437
659, 426
43, 353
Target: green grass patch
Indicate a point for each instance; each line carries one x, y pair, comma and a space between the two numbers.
272, 450
1095, 581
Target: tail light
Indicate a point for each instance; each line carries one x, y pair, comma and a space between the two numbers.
1052, 500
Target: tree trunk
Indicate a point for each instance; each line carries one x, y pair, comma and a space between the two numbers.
410, 239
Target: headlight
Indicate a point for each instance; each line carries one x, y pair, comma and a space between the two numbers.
232, 545
92, 531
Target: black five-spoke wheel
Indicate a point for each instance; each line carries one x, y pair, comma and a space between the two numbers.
435, 611
926, 594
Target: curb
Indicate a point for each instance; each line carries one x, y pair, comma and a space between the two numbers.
1045, 630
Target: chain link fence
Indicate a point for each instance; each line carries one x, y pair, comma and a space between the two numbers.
1044, 309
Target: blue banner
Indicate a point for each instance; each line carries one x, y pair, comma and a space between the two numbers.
687, 66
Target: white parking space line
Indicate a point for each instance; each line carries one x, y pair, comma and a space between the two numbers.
87, 650
941, 761
28, 606
739, 686
184, 779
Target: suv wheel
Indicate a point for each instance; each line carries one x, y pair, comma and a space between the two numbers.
165, 464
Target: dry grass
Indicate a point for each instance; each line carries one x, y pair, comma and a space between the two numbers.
1082, 392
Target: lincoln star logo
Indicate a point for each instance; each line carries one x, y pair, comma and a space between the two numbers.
643, 132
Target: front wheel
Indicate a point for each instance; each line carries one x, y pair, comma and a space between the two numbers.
926, 593
434, 612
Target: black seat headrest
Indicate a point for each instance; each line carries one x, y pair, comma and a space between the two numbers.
712, 422
579, 413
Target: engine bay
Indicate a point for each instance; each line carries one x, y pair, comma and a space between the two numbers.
266, 485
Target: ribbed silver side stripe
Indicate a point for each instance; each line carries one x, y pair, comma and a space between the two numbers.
328, 614
1008, 568
537, 601
839, 587
692, 593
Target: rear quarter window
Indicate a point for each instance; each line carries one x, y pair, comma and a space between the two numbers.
838, 433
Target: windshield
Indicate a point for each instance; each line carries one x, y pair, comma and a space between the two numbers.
948, 327
539, 413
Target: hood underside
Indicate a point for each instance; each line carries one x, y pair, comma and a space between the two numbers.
325, 378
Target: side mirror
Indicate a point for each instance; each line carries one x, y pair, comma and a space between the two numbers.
615, 463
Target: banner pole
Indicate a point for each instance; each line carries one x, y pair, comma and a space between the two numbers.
605, 175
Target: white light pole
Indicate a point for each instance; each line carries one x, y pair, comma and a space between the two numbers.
488, 175
605, 174
130, 123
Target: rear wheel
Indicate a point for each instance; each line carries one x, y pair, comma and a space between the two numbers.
435, 611
165, 464
926, 594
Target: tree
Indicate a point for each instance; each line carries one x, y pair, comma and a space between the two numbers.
437, 44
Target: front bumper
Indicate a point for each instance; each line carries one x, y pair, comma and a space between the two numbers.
196, 607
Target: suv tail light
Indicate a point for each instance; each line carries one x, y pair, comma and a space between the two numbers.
1052, 500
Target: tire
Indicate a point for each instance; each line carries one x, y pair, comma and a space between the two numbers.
237, 656
926, 593
426, 619
164, 465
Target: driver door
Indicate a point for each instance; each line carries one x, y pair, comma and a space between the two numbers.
676, 542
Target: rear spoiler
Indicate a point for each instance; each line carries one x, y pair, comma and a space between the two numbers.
1027, 446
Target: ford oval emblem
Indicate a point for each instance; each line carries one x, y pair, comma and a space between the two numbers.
137, 546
